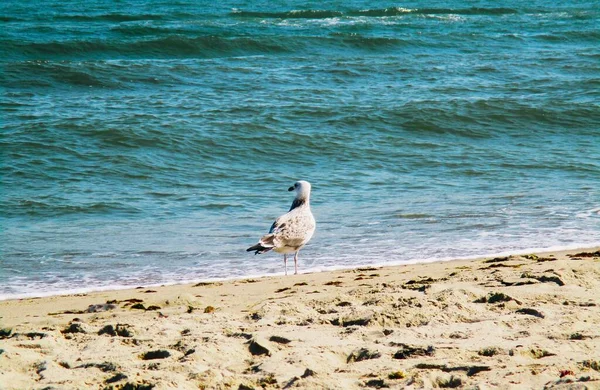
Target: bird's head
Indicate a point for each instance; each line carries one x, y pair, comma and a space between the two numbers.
302, 189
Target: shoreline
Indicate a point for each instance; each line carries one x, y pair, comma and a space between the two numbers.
516, 321
91, 290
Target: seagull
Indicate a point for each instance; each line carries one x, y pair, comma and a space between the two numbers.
290, 232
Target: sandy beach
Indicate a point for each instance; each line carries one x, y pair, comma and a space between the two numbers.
516, 322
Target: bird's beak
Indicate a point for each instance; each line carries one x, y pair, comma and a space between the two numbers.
291, 188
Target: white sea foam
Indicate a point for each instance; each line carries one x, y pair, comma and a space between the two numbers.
334, 264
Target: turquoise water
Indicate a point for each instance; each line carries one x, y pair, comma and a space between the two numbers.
149, 142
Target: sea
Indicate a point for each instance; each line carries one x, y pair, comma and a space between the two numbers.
150, 142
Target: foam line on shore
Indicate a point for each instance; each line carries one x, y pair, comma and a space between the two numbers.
558, 248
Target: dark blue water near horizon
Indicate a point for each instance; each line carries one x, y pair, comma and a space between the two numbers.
150, 142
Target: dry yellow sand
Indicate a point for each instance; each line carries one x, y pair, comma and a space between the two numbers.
521, 322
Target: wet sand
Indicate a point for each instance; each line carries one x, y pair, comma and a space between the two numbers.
518, 322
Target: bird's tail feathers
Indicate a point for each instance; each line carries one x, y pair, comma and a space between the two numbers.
264, 245
259, 249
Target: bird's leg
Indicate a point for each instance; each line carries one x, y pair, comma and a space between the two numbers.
285, 263
296, 263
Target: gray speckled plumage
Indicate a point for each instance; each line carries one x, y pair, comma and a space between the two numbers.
290, 232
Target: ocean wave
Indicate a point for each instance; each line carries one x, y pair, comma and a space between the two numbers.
136, 30
173, 46
294, 14
89, 73
466, 11
382, 12
7, 18
108, 17
38, 208
57, 60
34, 74
151, 42
568, 36
395, 11
359, 41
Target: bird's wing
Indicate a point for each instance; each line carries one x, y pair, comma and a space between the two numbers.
292, 229
279, 224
